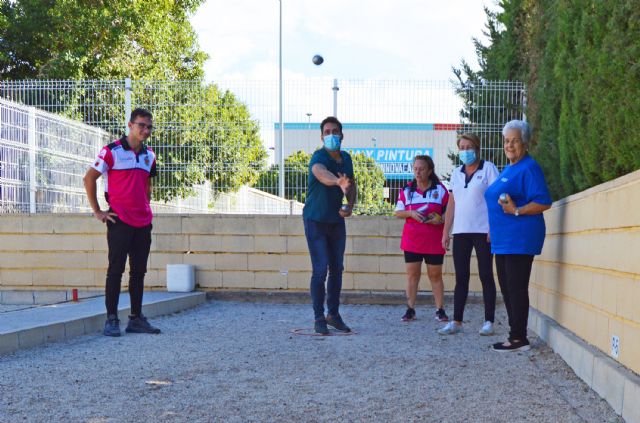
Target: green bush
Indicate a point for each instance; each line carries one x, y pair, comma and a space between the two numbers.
579, 59
368, 175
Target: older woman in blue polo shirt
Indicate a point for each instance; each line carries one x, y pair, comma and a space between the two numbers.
516, 201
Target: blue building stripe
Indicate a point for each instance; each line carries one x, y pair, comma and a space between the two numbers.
297, 126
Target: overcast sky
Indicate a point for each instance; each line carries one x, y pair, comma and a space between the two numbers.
364, 39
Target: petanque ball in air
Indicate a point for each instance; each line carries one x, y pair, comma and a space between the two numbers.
317, 60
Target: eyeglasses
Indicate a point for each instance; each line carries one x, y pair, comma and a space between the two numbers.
142, 125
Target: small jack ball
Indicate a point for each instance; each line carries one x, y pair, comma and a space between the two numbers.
317, 60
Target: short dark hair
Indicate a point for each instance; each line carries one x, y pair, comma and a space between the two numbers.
330, 119
140, 112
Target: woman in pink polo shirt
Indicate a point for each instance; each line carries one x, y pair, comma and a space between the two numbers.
422, 204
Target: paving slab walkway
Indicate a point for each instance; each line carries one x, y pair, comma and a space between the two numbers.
32, 325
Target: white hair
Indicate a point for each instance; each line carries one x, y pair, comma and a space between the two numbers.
520, 125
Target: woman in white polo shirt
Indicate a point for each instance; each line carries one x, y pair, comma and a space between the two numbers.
467, 215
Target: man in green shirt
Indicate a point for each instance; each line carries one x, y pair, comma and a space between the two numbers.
330, 180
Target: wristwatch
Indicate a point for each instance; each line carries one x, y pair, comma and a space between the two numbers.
517, 212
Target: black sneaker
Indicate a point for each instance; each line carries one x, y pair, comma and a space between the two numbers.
441, 316
513, 346
139, 324
409, 315
337, 323
111, 326
320, 326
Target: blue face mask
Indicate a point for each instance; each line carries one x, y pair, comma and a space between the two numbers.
332, 142
467, 156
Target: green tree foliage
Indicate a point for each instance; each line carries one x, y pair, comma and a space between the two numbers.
370, 179
296, 176
579, 59
368, 175
502, 58
217, 141
488, 104
590, 80
202, 134
70, 39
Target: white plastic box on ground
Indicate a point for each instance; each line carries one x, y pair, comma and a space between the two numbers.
180, 277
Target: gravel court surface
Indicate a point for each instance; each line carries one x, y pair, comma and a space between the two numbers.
239, 362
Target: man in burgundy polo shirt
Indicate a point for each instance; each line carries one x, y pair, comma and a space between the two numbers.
127, 165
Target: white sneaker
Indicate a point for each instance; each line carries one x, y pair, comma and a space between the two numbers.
450, 328
486, 329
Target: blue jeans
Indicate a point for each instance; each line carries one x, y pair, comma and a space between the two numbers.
326, 247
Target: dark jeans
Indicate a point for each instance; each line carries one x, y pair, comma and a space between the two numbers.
125, 240
514, 271
326, 247
463, 244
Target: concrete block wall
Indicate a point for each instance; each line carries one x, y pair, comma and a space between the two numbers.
63, 251
587, 278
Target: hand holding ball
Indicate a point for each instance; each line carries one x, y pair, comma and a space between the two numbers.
317, 60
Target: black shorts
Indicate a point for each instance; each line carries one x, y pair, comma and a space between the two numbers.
436, 259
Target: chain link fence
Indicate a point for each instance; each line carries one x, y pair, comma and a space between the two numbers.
216, 143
